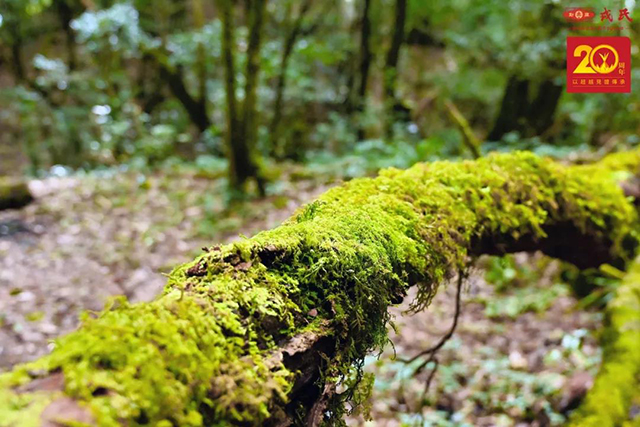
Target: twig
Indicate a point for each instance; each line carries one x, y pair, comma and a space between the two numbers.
433, 351
471, 141
445, 338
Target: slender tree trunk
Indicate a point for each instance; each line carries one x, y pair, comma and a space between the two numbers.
249, 129
196, 108
518, 113
365, 51
150, 92
255, 11
65, 14
513, 108
228, 44
241, 123
366, 57
356, 99
391, 66
18, 68
18, 65
543, 108
198, 22
290, 41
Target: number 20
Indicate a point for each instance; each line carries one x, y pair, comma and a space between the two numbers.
583, 67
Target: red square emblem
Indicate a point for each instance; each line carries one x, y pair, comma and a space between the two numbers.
598, 65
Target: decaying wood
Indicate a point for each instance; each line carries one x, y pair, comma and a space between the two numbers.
296, 307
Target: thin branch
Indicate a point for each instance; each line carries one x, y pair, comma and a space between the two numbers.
445, 338
433, 351
471, 141
430, 377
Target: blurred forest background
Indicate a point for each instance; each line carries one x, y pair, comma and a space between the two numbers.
150, 128
349, 84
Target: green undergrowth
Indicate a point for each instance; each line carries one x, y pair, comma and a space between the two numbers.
520, 287
617, 385
205, 353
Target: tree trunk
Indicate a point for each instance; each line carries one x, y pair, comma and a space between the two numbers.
260, 332
198, 18
366, 57
543, 108
242, 122
391, 66
242, 164
365, 51
65, 14
519, 114
289, 43
150, 85
255, 12
513, 109
196, 108
19, 70
358, 79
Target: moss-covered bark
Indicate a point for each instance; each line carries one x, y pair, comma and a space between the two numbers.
14, 193
259, 332
617, 386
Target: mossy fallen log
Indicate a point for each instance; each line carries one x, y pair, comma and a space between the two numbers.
273, 330
14, 193
616, 389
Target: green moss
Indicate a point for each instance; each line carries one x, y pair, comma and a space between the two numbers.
22, 409
14, 193
608, 403
202, 354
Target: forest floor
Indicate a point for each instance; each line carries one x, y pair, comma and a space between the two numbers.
521, 354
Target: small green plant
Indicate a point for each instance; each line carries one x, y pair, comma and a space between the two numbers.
525, 300
521, 286
501, 272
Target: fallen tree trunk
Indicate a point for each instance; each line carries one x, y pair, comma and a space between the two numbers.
273, 330
14, 193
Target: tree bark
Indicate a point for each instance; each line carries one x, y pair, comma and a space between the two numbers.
287, 50
19, 70
238, 151
365, 52
513, 109
518, 113
544, 106
366, 57
157, 23
195, 108
198, 18
249, 128
356, 99
261, 332
65, 14
391, 65
242, 122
